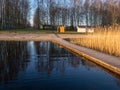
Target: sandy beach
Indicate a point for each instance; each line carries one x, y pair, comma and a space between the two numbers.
25, 37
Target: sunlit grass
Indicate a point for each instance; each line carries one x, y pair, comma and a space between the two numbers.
32, 31
27, 31
106, 40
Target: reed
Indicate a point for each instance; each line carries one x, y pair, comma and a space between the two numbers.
105, 40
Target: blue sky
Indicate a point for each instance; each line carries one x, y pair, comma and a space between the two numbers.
33, 6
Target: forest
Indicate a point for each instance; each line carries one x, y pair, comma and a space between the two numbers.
14, 13
17, 13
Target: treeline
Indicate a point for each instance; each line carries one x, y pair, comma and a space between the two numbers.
14, 14
77, 12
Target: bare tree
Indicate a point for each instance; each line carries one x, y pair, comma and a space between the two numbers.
13, 13
36, 19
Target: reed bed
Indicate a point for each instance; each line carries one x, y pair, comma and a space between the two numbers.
105, 40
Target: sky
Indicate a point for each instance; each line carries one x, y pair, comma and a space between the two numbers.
33, 6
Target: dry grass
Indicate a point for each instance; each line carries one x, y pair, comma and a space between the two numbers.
106, 40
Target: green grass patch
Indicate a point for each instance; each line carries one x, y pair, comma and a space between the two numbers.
32, 31
27, 31
71, 32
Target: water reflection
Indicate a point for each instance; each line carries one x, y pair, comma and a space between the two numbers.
42, 64
12, 59
51, 57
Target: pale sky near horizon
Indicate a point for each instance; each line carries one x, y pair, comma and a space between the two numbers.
32, 11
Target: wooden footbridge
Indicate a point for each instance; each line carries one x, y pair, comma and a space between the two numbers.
108, 62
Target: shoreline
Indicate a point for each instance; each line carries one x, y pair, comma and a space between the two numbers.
109, 62
25, 37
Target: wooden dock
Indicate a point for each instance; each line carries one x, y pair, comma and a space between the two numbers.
108, 62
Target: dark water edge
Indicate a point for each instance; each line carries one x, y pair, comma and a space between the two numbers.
46, 66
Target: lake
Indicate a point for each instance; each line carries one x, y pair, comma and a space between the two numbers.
46, 66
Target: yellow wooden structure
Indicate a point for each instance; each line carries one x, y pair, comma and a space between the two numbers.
61, 29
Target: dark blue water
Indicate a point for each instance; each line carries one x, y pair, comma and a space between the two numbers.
46, 66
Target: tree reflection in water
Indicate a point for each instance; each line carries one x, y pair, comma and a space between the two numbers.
12, 59
39, 59
52, 57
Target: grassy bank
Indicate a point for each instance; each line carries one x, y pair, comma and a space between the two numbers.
27, 31
30, 31
104, 39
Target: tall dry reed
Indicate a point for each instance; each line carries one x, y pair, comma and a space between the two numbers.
106, 40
